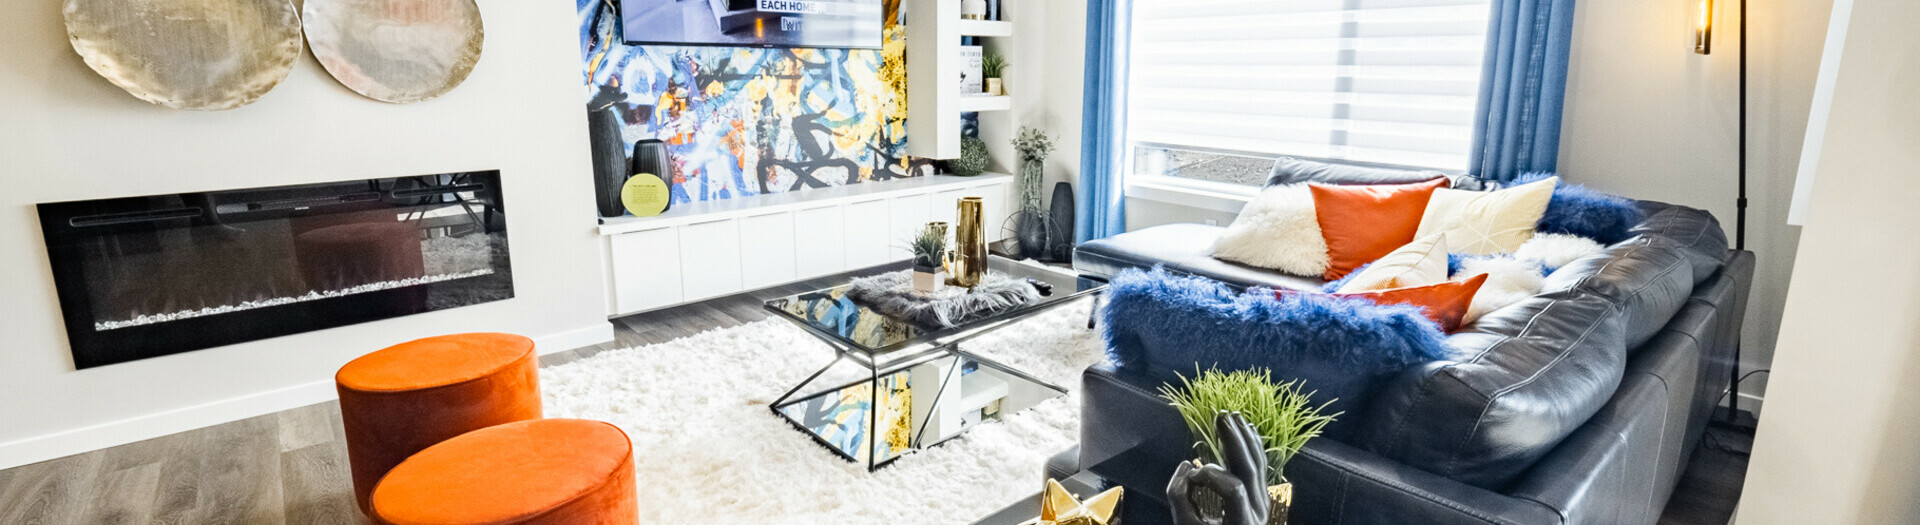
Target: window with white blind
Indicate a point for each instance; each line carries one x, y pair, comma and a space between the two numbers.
1219, 87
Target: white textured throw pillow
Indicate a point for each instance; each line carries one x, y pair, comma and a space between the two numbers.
1422, 262
1509, 280
1487, 222
1277, 230
1555, 250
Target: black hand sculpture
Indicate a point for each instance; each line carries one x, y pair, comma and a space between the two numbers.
1241, 484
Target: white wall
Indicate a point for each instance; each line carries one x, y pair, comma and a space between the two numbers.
1046, 58
1840, 442
67, 134
1649, 119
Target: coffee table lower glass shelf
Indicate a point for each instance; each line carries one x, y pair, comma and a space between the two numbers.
918, 389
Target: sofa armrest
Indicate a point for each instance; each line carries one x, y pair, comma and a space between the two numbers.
1337, 484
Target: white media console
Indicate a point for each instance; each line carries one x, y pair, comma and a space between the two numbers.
709, 249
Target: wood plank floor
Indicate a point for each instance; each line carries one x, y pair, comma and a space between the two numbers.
291, 467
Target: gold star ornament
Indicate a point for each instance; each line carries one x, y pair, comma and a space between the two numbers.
1059, 507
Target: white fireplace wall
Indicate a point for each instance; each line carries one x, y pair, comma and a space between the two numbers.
68, 134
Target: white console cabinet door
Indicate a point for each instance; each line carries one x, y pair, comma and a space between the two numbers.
710, 259
766, 250
909, 217
646, 271
868, 234
994, 204
819, 241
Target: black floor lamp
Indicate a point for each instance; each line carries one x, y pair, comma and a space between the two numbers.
1703, 44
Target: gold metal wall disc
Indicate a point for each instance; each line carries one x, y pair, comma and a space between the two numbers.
188, 54
396, 51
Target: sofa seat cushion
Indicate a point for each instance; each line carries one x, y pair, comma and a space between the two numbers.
1181, 248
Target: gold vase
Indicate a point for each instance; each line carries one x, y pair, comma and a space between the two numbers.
967, 262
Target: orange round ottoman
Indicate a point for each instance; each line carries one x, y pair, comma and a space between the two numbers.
405, 398
545, 471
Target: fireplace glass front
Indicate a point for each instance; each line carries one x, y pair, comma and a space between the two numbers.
149, 276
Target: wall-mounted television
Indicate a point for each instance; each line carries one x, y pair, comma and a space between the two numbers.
754, 23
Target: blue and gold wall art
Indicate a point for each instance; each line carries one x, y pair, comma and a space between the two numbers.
752, 121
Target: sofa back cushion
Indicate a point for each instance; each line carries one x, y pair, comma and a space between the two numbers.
1647, 279
1291, 170
1518, 382
1339, 348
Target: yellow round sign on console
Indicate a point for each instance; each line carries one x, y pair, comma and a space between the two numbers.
645, 195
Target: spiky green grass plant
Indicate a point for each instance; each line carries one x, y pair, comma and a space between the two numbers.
1282, 414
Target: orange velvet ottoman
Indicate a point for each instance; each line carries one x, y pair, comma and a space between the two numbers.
405, 398
545, 471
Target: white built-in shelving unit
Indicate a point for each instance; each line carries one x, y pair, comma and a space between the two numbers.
934, 101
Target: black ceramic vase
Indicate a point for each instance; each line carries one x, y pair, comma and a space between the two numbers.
651, 156
1060, 247
610, 169
1034, 231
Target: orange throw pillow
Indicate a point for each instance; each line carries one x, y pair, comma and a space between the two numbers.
1445, 303
1364, 223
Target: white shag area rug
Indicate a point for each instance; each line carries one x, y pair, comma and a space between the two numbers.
708, 450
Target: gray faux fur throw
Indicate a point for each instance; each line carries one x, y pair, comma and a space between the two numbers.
892, 295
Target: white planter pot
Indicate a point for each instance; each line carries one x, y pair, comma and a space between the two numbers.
929, 282
973, 9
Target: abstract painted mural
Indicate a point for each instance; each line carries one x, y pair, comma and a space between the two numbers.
751, 121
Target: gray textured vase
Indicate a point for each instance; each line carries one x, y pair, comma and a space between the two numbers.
1031, 224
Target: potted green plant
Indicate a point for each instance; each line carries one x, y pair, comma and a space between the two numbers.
991, 67
929, 251
1280, 413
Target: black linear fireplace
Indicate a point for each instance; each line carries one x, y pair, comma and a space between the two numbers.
149, 276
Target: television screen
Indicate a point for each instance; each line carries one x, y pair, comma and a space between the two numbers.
763, 23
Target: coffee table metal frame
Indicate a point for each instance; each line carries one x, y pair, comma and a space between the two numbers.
894, 358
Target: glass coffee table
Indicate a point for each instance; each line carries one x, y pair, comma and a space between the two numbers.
918, 386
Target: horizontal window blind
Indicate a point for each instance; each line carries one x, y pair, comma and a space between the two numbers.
1382, 81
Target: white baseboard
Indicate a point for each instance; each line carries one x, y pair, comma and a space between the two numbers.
569, 340
86, 439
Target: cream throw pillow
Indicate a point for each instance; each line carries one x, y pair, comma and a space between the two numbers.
1509, 280
1277, 230
1422, 262
1487, 223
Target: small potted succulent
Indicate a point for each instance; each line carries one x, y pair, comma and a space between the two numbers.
991, 67
1277, 414
929, 252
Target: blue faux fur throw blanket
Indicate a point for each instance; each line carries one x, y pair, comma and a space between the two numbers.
1338, 347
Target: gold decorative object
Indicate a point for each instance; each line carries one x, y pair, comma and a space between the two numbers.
1059, 507
967, 262
396, 51
188, 54
1282, 496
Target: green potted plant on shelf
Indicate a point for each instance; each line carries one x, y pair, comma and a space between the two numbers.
1279, 413
991, 67
929, 252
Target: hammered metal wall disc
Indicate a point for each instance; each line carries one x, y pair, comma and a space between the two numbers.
396, 50
188, 54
